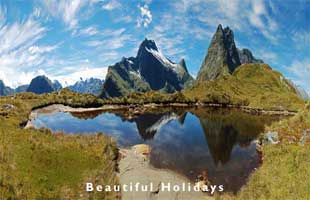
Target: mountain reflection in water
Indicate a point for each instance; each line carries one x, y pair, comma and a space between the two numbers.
188, 141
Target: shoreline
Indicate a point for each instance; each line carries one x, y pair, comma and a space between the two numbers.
138, 109
134, 167
132, 158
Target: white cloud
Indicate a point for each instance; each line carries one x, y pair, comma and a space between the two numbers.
89, 31
67, 10
300, 70
18, 49
301, 39
240, 15
145, 17
111, 5
110, 39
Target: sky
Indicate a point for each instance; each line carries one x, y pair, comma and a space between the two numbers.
72, 39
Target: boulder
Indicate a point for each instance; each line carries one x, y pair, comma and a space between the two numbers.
271, 138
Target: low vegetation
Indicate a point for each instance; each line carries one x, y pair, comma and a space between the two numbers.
285, 165
36, 164
254, 85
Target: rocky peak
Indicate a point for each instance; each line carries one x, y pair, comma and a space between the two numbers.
146, 46
246, 56
182, 64
149, 70
223, 57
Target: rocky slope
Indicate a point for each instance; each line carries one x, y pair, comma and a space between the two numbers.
40, 85
88, 86
223, 57
149, 70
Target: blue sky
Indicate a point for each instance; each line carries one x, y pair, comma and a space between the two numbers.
69, 39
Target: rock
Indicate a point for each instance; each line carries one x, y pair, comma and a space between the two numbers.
8, 107
305, 137
223, 57
149, 70
271, 138
246, 56
142, 149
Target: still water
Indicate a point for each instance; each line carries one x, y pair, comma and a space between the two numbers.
188, 141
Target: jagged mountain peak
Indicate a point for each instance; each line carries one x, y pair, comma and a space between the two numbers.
146, 46
223, 57
149, 70
150, 44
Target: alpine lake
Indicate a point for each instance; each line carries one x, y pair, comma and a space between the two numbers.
190, 141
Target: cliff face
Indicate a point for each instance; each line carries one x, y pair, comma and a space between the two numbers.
223, 57
149, 70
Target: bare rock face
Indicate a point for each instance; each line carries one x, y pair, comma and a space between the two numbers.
223, 56
149, 70
246, 56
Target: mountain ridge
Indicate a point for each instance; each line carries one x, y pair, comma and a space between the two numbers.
223, 56
149, 70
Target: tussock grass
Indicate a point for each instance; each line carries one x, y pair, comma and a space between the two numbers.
36, 164
285, 169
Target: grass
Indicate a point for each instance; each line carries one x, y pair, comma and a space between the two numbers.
36, 164
285, 169
253, 85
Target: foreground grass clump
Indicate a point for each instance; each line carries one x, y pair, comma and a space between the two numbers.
285, 168
36, 164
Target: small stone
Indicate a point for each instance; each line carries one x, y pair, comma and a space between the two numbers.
8, 106
271, 137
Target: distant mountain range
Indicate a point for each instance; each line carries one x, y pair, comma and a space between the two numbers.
88, 86
149, 70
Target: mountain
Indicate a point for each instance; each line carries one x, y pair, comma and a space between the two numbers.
57, 85
90, 86
149, 70
22, 88
246, 56
40, 85
4, 90
223, 57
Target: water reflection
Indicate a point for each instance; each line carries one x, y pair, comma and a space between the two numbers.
188, 141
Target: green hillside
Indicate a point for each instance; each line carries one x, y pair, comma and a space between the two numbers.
254, 85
